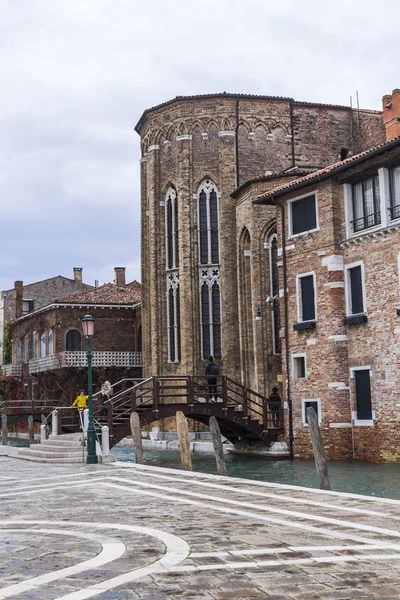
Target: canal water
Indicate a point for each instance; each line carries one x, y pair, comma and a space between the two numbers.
345, 476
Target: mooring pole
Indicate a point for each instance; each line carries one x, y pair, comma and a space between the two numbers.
319, 454
137, 438
4, 429
184, 443
218, 447
31, 430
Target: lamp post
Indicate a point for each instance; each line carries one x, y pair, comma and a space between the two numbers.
88, 331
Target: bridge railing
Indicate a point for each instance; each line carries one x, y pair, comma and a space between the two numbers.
155, 391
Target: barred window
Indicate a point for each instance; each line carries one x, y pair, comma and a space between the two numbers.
366, 203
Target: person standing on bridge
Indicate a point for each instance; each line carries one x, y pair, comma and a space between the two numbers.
106, 393
274, 405
80, 402
212, 372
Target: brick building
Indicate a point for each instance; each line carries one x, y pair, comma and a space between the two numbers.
49, 350
36, 295
213, 256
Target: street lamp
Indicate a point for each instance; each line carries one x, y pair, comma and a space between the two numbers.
88, 331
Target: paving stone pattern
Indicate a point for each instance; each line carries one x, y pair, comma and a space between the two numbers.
118, 532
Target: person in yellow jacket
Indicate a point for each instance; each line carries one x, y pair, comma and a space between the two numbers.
80, 401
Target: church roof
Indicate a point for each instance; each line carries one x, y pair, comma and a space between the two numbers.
243, 97
327, 172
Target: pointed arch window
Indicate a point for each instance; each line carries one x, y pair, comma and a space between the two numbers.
208, 223
209, 277
172, 275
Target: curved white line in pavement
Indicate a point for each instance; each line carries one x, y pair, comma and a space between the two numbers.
110, 551
176, 550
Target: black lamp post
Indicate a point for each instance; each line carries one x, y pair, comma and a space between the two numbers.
88, 331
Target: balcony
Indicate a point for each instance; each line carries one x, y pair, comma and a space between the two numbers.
11, 371
79, 359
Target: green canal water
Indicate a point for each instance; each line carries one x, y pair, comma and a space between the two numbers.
347, 476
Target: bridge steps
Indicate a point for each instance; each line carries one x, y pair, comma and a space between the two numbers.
57, 449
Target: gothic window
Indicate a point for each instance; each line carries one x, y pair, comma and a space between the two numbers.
173, 317
171, 229
210, 301
274, 290
209, 276
43, 344
50, 340
172, 275
208, 223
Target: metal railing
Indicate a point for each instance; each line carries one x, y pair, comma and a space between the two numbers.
366, 221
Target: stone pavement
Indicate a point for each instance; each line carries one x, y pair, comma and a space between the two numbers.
128, 532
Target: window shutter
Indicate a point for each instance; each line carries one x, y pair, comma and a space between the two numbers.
304, 215
307, 298
363, 395
356, 291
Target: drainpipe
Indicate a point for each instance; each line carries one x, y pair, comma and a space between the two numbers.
286, 317
237, 143
292, 130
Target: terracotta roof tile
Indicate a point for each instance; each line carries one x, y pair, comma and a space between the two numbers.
108, 293
329, 170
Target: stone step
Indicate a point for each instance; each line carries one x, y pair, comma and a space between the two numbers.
40, 459
60, 456
60, 442
56, 448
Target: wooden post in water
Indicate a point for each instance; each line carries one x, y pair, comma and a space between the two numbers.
4, 430
31, 430
319, 454
137, 438
218, 447
184, 443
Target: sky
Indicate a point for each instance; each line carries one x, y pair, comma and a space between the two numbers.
76, 75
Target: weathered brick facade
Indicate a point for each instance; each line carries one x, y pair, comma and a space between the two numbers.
247, 146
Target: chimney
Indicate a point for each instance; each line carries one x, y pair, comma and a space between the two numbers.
391, 114
119, 276
78, 275
18, 299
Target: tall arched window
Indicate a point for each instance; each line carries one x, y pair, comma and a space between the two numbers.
73, 340
209, 277
172, 275
274, 291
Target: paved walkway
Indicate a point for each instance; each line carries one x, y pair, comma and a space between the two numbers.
118, 532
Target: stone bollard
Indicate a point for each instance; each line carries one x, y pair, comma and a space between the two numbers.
105, 440
43, 433
184, 443
85, 420
4, 430
31, 430
54, 422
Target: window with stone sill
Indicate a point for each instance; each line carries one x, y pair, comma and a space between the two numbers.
314, 403
303, 215
355, 294
306, 299
394, 184
366, 203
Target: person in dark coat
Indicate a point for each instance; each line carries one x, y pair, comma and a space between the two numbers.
212, 372
274, 405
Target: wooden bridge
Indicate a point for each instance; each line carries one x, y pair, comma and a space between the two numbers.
242, 414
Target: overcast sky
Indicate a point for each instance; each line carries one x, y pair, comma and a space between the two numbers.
76, 75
